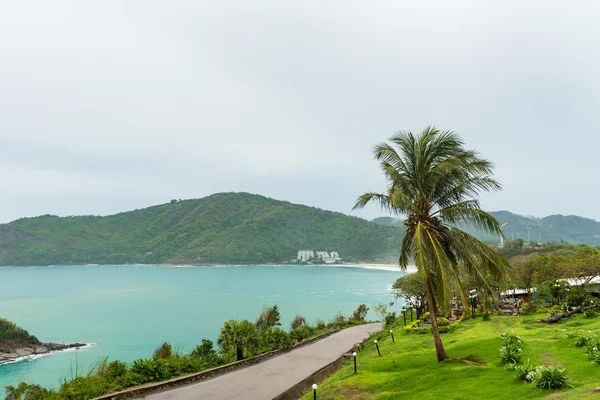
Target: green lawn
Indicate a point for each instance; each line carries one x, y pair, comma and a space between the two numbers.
408, 369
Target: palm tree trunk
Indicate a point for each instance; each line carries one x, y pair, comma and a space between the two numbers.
439, 347
239, 353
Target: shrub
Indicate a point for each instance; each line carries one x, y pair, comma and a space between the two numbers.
593, 350
164, 351
522, 370
390, 318
269, 318
302, 332
115, 370
584, 339
486, 316
447, 328
151, 370
297, 321
28, 391
443, 322
321, 324
339, 317
510, 353
205, 350
360, 313
510, 337
276, 338
549, 377
576, 297
590, 313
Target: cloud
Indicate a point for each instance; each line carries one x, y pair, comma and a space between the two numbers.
113, 105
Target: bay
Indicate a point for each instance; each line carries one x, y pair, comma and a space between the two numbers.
128, 311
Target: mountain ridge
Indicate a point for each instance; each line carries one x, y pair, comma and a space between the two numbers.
223, 228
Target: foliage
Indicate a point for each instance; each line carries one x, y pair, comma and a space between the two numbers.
269, 318
29, 392
486, 316
443, 321
206, 352
10, 331
276, 339
338, 318
164, 351
576, 297
302, 332
321, 325
549, 377
390, 318
434, 180
297, 321
238, 336
510, 351
233, 228
411, 288
360, 313
522, 371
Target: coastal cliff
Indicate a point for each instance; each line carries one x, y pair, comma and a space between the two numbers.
16, 342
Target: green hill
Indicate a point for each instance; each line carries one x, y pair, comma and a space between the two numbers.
221, 228
554, 228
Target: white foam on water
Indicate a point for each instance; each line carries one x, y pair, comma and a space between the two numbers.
36, 356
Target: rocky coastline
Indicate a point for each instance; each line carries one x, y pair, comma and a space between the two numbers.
11, 351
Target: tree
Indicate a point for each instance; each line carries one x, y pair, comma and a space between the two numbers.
411, 288
434, 181
238, 336
269, 318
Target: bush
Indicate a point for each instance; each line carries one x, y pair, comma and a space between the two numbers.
321, 325
303, 332
297, 321
390, 318
486, 316
164, 351
26, 391
522, 371
447, 328
583, 339
576, 297
360, 313
269, 318
277, 339
590, 313
443, 321
549, 377
115, 370
151, 370
205, 350
510, 352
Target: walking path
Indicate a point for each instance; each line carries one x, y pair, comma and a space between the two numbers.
270, 378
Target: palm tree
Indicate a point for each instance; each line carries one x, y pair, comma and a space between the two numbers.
435, 181
239, 336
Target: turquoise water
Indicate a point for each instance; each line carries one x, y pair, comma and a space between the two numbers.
128, 311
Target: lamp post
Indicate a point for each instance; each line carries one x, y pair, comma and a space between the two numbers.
354, 355
377, 345
404, 312
411, 314
392, 333
314, 386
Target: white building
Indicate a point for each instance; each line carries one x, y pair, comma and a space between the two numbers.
307, 255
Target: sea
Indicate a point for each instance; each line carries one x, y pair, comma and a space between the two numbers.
125, 312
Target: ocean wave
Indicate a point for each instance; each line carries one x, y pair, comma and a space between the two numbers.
33, 357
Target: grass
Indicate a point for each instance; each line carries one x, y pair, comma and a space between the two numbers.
408, 369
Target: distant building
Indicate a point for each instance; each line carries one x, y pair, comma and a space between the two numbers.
328, 258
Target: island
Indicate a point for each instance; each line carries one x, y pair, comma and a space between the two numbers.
16, 343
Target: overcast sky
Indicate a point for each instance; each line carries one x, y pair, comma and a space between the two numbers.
107, 106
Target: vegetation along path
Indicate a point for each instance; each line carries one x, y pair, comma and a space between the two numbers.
272, 377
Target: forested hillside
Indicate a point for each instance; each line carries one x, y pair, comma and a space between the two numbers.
221, 228
554, 228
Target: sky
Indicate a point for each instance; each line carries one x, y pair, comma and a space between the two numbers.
112, 105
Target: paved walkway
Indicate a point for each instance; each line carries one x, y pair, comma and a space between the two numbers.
270, 378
